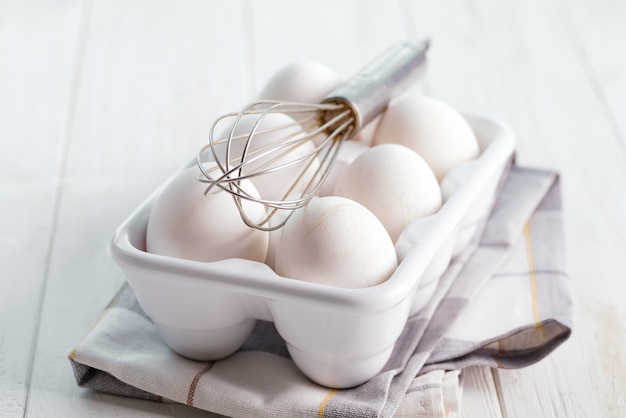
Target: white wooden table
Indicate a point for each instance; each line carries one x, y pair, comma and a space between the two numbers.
101, 100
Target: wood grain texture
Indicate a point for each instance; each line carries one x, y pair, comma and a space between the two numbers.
37, 59
344, 36
480, 396
591, 160
524, 66
101, 100
147, 93
597, 33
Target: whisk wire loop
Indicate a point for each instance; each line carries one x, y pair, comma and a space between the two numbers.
265, 150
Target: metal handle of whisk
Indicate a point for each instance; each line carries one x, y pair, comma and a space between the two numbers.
368, 92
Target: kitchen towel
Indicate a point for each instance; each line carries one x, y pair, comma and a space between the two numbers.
505, 303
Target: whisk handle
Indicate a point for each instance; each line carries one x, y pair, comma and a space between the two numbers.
369, 91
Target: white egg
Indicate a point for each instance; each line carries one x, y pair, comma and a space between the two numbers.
394, 183
277, 184
274, 236
302, 82
186, 223
350, 149
366, 134
337, 242
430, 127
305, 82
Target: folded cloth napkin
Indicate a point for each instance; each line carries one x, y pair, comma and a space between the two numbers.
505, 302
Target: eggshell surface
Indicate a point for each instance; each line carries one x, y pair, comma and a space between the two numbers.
394, 183
186, 223
275, 235
336, 242
305, 82
430, 127
350, 149
302, 82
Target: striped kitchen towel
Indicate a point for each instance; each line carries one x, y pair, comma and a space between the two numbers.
505, 302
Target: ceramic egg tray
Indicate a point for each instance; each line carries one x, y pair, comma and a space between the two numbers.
337, 337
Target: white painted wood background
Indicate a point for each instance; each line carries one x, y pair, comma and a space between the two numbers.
101, 100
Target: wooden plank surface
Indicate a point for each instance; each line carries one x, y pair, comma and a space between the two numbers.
480, 396
101, 100
38, 45
521, 62
147, 92
591, 158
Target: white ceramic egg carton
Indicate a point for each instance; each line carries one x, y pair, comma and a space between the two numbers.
337, 337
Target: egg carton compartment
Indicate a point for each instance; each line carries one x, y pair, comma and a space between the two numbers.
337, 337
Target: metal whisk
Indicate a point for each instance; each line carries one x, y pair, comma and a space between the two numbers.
238, 155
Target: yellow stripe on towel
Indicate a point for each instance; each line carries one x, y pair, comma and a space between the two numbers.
322, 409
532, 275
